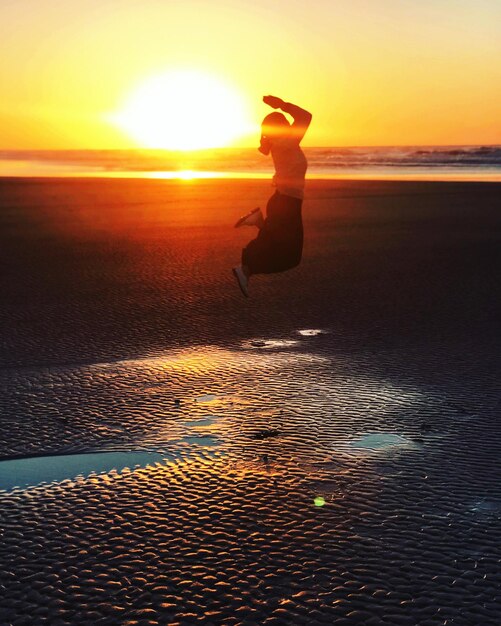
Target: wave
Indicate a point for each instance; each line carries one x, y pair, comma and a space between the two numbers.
409, 157
249, 160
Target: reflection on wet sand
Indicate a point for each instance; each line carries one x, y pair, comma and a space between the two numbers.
185, 400
134, 339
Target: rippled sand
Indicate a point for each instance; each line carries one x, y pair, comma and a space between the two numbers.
331, 445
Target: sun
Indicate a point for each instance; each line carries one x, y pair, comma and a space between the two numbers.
184, 110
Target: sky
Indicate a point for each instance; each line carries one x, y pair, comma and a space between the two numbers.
372, 72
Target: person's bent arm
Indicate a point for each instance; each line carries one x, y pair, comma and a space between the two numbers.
302, 118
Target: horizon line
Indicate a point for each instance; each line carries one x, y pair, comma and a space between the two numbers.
317, 147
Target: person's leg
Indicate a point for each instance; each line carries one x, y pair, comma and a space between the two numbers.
278, 245
256, 252
242, 279
290, 239
254, 218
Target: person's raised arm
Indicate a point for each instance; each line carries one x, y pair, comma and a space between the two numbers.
302, 118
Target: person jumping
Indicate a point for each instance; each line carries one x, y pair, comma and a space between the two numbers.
279, 244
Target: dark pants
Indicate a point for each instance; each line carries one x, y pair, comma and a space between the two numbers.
279, 244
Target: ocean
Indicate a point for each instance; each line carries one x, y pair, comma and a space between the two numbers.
411, 162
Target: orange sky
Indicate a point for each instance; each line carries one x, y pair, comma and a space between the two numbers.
373, 72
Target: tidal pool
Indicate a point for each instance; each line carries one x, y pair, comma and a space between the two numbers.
380, 441
32, 471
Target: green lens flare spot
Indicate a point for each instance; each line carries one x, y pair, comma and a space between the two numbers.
319, 501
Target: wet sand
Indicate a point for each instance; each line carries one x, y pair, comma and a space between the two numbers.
365, 380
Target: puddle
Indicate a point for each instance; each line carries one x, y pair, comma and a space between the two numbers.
201, 422
487, 507
270, 343
380, 441
202, 440
208, 397
33, 471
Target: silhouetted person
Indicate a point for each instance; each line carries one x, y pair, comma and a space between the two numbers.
279, 244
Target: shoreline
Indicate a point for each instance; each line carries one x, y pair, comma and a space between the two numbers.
228, 176
217, 176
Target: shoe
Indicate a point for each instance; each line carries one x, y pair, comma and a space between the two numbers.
251, 219
242, 280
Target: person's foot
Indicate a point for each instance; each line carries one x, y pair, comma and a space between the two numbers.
254, 218
242, 280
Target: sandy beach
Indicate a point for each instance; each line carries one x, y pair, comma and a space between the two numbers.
331, 444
